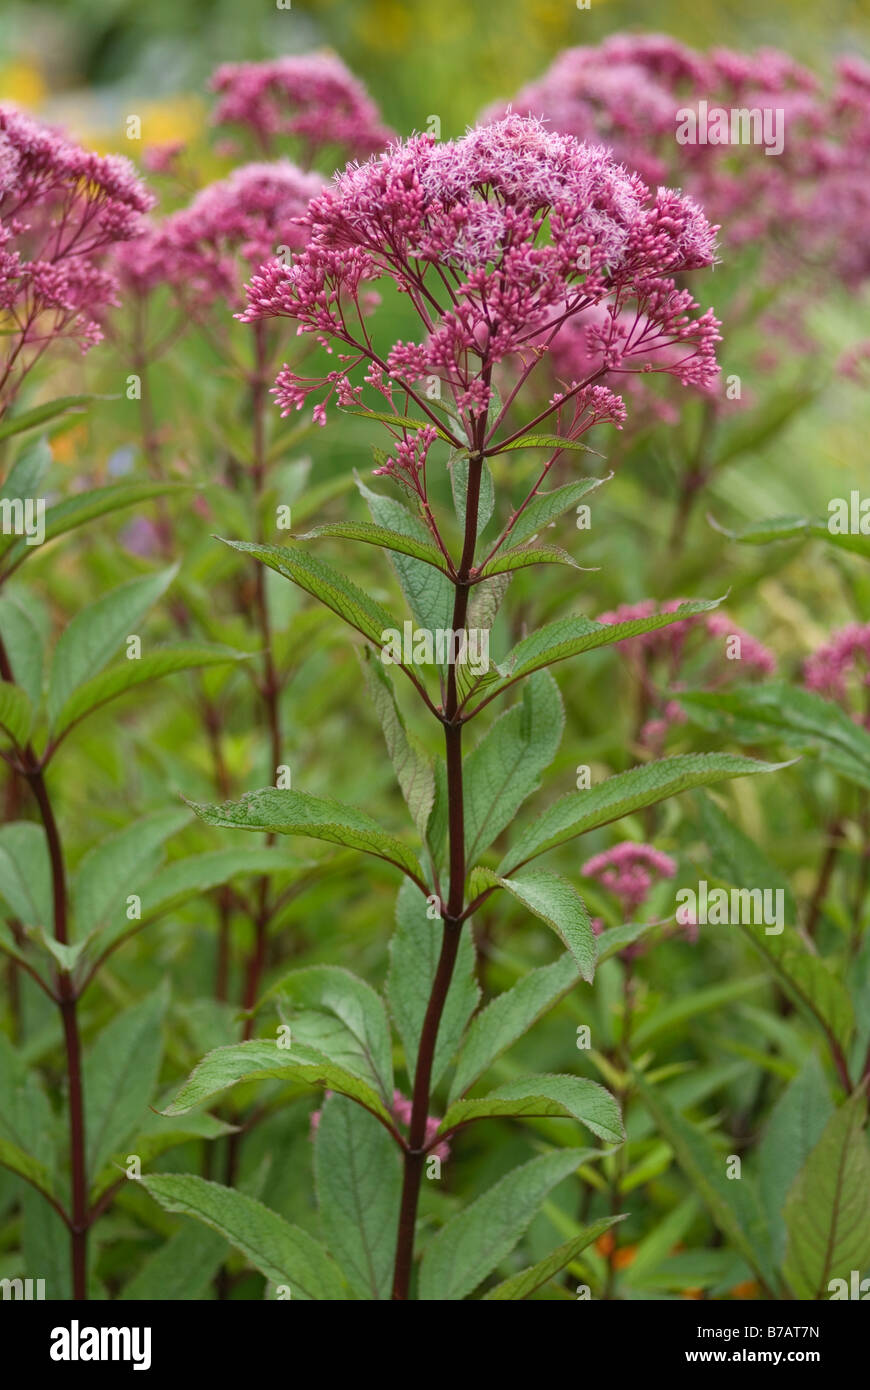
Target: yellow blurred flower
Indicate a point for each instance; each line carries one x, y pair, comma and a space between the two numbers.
22, 83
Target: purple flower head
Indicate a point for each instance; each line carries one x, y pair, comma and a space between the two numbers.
629, 871
62, 207
497, 239
312, 99
205, 250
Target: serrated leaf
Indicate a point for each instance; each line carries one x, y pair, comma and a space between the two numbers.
282, 1252
157, 1136
263, 1060
808, 979
324, 583
283, 812
630, 791
543, 441
793, 528
524, 556
334, 1011
524, 1283
827, 1213
569, 637
358, 1178
405, 422
546, 506
540, 1097
475, 1242
509, 1016
414, 952
380, 536
554, 901
429, 594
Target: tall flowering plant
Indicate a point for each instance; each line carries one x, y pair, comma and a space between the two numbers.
496, 240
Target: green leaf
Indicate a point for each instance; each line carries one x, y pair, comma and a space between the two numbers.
323, 582
474, 1242
23, 642
520, 1285
698, 1001
628, 791
412, 766
97, 632
542, 441
546, 506
404, 422
40, 414
732, 1203
27, 472
429, 594
120, 1073
827, 1213
25, 873
569, 637
284, 1253
26, 1121
157, 1136
505, 767
16, 716
525, 555
129, 675
615, 939
459, 486
414, 952
381, 536
792, 528
795, 1126
341, 1016
358, 1177
263, 1060
119, 864
807, 979
509, 1016
736, 859
181, 1269
802, 719
554, 901
283, 812
75, 511
540, 1097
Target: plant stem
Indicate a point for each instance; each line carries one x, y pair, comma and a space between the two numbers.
68, 1004
453, 915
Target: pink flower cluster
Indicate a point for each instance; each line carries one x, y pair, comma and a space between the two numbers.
312, 99
812, 196
252, 214
629, 871
846, 656
61, 208
497, 239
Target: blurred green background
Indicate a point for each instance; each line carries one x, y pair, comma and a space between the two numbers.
89, 58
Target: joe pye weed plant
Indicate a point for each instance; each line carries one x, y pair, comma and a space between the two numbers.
497, 239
